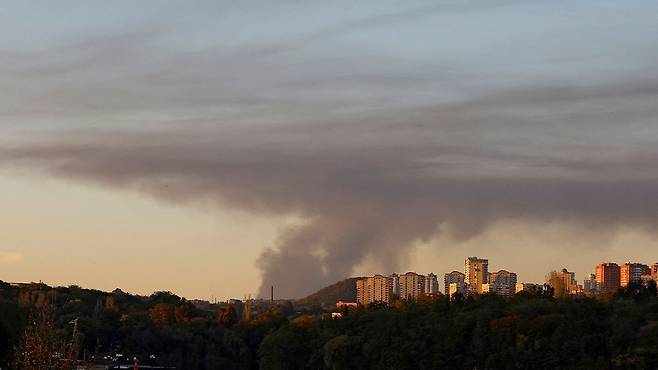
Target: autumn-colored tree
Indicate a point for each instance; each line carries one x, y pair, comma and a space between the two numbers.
305, 322
41, 347
110, 304
163, 314
227, 316
182, 314
557, 283
272, 318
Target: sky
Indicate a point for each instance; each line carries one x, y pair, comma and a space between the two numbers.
217, 148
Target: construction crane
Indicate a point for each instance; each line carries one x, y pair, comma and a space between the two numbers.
72, 351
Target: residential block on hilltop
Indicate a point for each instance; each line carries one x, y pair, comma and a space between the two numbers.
476, 279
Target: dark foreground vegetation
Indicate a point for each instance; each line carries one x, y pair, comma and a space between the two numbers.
487, 332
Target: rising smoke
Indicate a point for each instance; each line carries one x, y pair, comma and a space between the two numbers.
371, 188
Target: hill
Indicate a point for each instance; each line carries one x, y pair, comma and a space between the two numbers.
344, 290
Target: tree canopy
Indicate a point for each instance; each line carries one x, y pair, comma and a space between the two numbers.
526, 330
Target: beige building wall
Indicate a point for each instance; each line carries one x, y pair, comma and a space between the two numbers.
453, 277
520, 287
476, 273
503, 282
563, 282
378, 288
431, 284
411, 285
455, 288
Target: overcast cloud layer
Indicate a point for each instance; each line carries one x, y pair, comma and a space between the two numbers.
378, 124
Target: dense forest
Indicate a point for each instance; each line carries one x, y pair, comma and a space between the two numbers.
485, 332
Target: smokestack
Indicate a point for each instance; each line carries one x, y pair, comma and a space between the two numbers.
272, 294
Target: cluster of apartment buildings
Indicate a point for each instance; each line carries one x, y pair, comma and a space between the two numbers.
609, 276
476, 279
380, 288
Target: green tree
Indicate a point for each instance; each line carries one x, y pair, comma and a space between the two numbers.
343, 352
287, 348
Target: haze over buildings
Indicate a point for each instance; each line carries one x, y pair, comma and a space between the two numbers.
294, 144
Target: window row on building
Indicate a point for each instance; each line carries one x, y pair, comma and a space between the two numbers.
381, 288
609, 276
475, 279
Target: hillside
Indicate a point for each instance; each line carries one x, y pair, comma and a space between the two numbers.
344, 290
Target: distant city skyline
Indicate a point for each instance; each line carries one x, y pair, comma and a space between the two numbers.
606, 277
220, 148
476, 279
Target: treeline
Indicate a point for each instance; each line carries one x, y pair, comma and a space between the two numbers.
486, 332
113, 328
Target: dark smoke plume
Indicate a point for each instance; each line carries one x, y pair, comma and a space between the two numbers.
370, 188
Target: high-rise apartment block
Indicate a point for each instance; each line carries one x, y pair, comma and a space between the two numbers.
654, 271
502, 282
476, 271
395, 281
476, 279
563, 282
378, 288
632, 273
589, 284
456, 278
608, 276
431, 284
411, 285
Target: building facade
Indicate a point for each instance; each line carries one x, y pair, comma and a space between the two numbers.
454, 277
525, 287
608, 276
502, 282
632, 273
455, 288
476, 273
411, 285
378, 288
431, 284
589, 284
563, 282
395, 281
